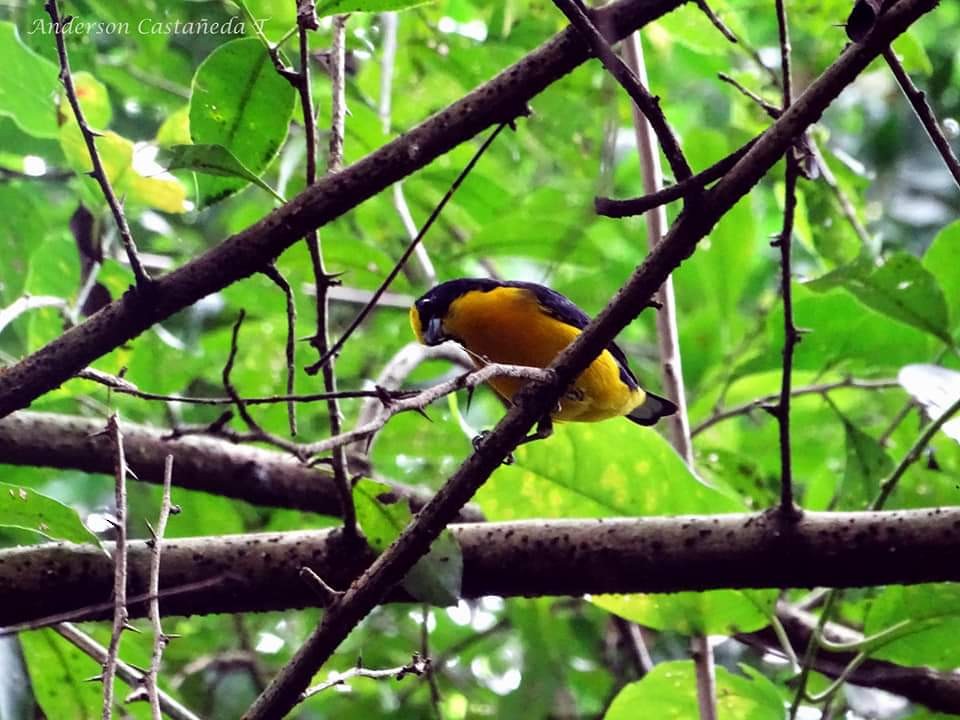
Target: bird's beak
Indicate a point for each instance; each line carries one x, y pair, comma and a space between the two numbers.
434, 333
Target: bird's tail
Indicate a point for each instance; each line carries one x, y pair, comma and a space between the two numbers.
652, 409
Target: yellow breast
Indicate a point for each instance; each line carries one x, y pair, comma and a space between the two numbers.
507, 325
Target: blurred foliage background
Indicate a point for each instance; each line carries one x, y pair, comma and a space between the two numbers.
525, 213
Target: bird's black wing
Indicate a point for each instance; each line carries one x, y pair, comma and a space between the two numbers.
561, 308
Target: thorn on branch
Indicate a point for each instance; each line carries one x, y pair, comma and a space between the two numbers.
328, 596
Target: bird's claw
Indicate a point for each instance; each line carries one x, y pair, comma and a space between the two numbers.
478, 440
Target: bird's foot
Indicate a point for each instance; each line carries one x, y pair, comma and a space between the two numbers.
478, 440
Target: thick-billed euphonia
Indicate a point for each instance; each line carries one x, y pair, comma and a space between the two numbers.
522, 323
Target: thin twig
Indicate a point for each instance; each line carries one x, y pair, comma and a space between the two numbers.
846, 207
888, 485
338, 102
392, 376
717, 22
389, 22
422, 399
119, 564
785, 243
631, 637
133, 677
668, 337
27, 303
735, 39
668, 342
391, 276
99, 174
323, 280
327, 594
125, 387
706, 673
280, 281
810, 653
417, 666
924, 114
257, 432
610, 207
428, 671
160, 639
791, 335
648, 104
769, 108
428, 272
769, 400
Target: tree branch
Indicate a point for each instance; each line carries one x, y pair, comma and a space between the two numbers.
255, 475
501, 99
532, 404
626, 76
924, 113
133, 677
119, 565
937, 690
526, 558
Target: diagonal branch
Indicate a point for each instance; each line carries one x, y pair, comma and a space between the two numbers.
501, 99
642, 99
535, 403
610, 207
924, 114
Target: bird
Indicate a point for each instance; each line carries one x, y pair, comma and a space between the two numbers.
524, 323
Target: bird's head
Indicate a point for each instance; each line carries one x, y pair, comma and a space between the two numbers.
430, 313
427, 324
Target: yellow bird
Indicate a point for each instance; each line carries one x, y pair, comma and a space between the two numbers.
521, 323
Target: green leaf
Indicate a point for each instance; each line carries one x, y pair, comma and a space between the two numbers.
912, 54
841, 333
717, 612
336, 7
28, 85
931, 602
94, 101
436, 577
867, 464
901, 288
215, 160
239, 101
593, 470
941, 260
669, 691
618, 469
23, 229
175, 130
157, 190
830, 232
25, 508
60, 675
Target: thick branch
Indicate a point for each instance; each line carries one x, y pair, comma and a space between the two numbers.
501, 99
562, 557
246, 473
